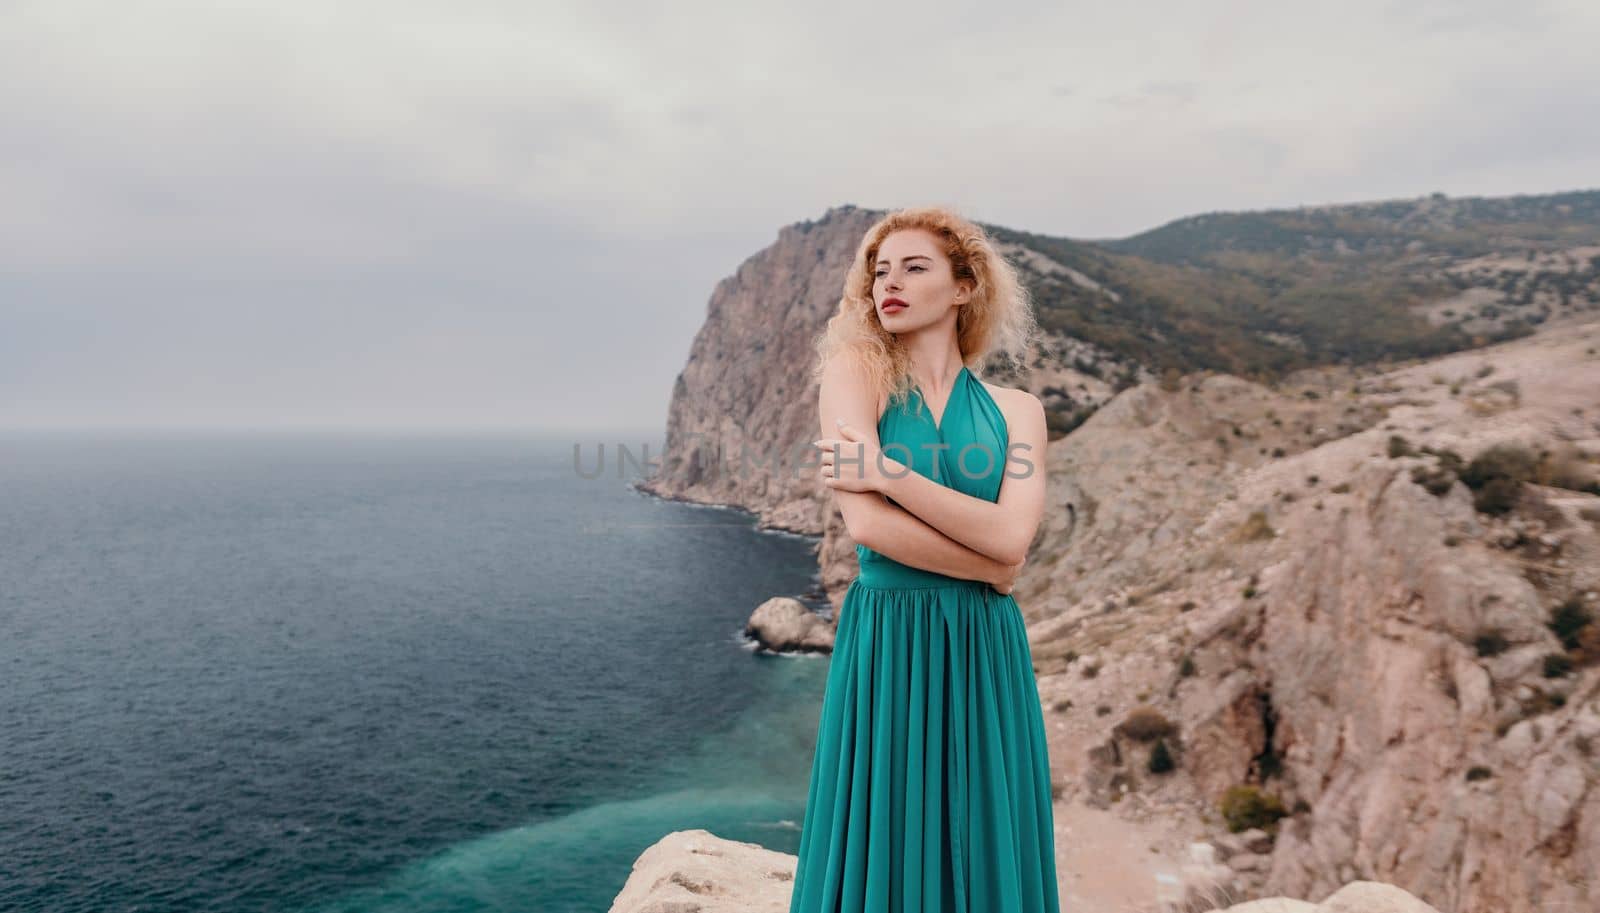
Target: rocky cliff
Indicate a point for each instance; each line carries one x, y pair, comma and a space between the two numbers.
745, 399
1348, 609
1320, 609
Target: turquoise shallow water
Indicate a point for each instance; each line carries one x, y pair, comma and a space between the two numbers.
745, 792
375, 673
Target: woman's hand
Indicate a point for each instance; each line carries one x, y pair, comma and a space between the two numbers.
853, 464
1007, 578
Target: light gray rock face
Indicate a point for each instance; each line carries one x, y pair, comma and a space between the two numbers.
744, 408
782, 624
1467, 778
1372, 897
1356, 897
696, 871
1274, 905
1318, 623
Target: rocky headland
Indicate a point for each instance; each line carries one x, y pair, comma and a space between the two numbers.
1314, 603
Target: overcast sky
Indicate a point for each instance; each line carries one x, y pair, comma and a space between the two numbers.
470, 214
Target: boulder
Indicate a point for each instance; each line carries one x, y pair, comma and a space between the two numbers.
1372, 897
695, 871
782, 624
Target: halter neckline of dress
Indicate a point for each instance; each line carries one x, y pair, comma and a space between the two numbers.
954, 385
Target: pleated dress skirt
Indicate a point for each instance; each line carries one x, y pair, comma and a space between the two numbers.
930, 785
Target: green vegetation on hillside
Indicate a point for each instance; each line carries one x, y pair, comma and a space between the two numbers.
1459, 227
1253, 319
1261, 294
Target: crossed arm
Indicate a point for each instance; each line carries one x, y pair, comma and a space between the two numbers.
929, 525
1002, 529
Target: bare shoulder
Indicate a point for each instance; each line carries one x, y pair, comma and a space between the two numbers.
1015, 403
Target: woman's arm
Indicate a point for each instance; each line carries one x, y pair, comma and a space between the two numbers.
908, 540
874, 522
1002, 529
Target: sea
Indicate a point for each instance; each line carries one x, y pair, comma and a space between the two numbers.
338, 672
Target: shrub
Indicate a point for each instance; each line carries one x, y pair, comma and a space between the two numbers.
1245, 807
1254, 527
1497, 496
1541, 702
1435, 481
1501, 461
1160, 758
1399, 446
1490, 643
1479, 772
1568, 620
1146, 724
1557, 664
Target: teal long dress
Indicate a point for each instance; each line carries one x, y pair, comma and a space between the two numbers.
930, 782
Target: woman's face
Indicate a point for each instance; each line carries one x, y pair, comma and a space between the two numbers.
912, 284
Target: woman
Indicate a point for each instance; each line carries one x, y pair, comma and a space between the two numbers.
930, 786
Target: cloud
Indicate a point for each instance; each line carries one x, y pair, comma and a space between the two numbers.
570, 179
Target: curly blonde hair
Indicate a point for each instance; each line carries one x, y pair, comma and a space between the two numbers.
997, 320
